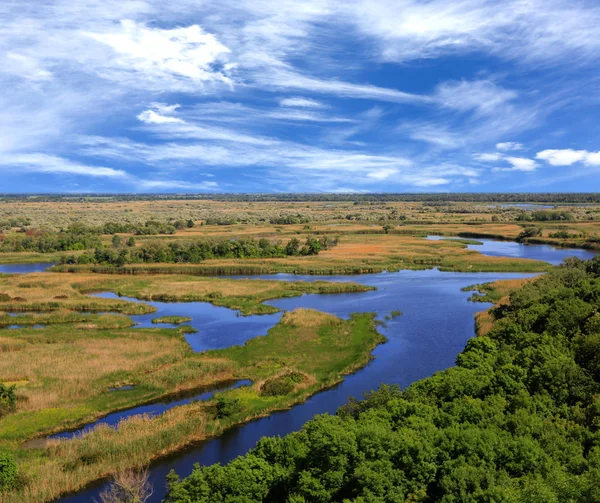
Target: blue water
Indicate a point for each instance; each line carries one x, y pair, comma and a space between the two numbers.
24, 268
546, 253
151, 409
218, 327
437, 322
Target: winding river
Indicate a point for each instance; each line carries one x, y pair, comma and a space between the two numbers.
437, 322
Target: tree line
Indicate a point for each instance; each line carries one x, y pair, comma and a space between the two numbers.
525, 197
516, 420
193, 252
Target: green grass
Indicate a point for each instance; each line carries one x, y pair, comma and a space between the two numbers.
173, 320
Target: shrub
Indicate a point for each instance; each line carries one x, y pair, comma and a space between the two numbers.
8, 399
281, 385
227, 406
8, 472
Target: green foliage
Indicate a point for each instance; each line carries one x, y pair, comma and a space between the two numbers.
518, 419
197, 251
9, 474
228, 406
544, 215
529, 232
281, 385
8, 399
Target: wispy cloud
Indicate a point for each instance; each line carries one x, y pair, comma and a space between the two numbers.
509, 145
298, 101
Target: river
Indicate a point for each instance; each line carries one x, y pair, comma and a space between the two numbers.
437, 322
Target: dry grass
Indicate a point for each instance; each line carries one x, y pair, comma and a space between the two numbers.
64, 372
308, 318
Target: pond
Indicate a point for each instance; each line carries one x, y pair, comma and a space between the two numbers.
218, 327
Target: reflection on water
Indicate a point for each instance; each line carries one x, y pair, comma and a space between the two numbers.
218, 327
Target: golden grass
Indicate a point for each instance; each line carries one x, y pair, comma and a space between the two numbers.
65, 372
319, 346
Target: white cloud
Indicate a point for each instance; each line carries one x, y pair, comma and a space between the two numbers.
487, 157
289, 79
482, 96
568, 157
25, 66
431, 182
535, 30
43, 163
178, 58
301, 102
382, 174
152, 117
509, 145
519, 164
434, 134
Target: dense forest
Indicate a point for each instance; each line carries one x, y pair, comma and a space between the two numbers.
526, 197
517, 420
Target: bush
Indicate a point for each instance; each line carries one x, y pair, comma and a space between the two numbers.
227, 406
281, 385
8, 472
8, 399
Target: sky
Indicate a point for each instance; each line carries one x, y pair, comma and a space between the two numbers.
185, 96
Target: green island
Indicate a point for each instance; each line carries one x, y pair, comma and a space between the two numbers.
173, 320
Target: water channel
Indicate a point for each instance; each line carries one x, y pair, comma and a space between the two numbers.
437, 322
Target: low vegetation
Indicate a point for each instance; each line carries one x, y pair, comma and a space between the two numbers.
312, 350
173, 320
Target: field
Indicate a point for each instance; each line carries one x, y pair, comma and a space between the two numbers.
64, 373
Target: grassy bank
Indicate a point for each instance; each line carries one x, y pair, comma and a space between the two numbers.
315, 349
53, 293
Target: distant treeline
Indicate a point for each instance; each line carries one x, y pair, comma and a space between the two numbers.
193, 252
541, 197
79, 236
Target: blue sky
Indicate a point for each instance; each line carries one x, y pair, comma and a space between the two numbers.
288, 96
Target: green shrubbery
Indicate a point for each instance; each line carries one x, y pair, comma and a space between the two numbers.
517, 420
227, 406
9, 474
281, 385
8, 399
196, 251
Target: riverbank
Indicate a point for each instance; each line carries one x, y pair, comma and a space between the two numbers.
316, 348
